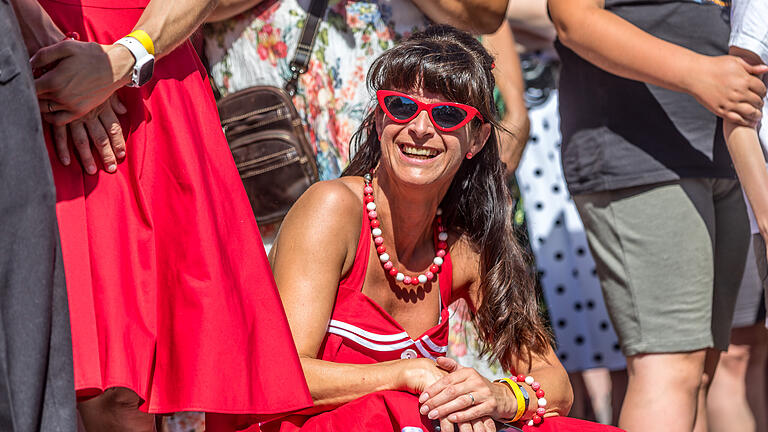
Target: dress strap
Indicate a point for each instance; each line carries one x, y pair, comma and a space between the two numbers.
356, 276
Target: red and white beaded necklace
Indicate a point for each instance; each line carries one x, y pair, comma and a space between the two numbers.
378, 240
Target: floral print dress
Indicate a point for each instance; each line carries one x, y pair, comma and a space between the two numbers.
256, 47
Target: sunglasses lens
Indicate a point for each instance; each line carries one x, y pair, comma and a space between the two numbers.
448, 116
400, 107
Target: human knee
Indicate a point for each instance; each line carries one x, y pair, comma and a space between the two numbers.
683, 371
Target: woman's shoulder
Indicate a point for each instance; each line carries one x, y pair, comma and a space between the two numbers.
329, 204
465, 260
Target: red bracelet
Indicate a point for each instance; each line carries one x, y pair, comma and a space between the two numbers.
541, 402
73, 35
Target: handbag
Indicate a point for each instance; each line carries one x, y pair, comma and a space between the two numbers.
268, 142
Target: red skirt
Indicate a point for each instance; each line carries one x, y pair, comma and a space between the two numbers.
396, 411
170, 291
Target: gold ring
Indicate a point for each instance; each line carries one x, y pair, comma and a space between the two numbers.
50, 107
472, 398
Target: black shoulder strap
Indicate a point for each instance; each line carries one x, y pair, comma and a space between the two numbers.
306, 43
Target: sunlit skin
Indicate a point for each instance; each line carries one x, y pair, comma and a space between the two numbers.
316, 247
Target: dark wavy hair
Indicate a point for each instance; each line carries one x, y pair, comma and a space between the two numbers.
450, 62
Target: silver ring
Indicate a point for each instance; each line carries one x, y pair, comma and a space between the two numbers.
471, 397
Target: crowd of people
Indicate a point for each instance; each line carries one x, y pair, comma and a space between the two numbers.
544, 215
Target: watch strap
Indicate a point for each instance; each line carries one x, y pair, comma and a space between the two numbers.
141, 56
143, 37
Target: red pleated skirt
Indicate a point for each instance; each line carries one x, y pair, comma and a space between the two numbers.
170, 291
395, 411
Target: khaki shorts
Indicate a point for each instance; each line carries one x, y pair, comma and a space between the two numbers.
670, 258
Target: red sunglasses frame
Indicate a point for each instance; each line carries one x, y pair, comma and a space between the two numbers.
470, 110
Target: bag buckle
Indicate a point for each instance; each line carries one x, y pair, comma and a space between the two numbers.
290, 86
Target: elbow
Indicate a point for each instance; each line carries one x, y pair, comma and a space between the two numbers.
491, 18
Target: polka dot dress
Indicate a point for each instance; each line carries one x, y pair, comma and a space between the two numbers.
585, 337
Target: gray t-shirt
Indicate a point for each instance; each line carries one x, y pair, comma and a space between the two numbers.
620, 133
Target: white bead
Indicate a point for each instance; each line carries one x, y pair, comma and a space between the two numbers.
439, 211
370, 206
399, 277
422, 279
376, 232
529, 380
443, 236
542, 402
384, 257
530, 422
438, 261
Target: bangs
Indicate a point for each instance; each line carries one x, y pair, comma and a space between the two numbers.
446, 68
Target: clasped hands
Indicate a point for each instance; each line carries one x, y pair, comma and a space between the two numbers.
76, 93
460, 396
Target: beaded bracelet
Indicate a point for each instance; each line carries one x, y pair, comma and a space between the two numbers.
542, 403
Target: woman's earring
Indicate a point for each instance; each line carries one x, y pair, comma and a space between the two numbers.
469, 155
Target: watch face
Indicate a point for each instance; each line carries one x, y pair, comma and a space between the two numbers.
145, 71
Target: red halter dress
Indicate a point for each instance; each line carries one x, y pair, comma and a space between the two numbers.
362, 332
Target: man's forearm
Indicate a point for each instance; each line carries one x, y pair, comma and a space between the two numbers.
37, 28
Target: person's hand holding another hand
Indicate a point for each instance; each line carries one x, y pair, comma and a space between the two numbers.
729, 87
80, 77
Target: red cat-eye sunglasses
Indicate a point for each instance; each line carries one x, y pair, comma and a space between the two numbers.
446, 116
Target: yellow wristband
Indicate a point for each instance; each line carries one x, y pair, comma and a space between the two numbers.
518, 395
143, 37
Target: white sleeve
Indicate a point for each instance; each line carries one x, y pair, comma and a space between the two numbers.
749, 26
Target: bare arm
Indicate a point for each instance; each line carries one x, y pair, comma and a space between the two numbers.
748, 158
229, 8
476, 16
722, 84
315, 246
509, 80
37, 28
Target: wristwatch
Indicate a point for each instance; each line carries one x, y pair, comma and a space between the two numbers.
145, 61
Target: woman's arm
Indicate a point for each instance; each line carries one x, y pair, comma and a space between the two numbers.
475, 16
509, 80
748, 158
724, 84
315, 247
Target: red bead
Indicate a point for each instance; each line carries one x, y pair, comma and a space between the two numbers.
372, 214
441, 228
540, 411
368, 198
381, 249
536, 419
393, 271
434, 268
535, 386
521, 378
442, 245
407, 280
415, 281
388, 265
539, 393
368, 190
440, 220
440, 253
429, 275
375, 223
378, 240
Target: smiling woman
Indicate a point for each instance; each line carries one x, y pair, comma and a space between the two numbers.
367, 264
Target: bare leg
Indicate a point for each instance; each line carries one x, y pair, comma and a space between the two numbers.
598, 384
710, 364
756, 376
579, 407
727, 407
116, 410
662, 391
618, 390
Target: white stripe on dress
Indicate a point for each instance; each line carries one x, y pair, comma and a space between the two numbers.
368, 344
434, 346
368, 335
